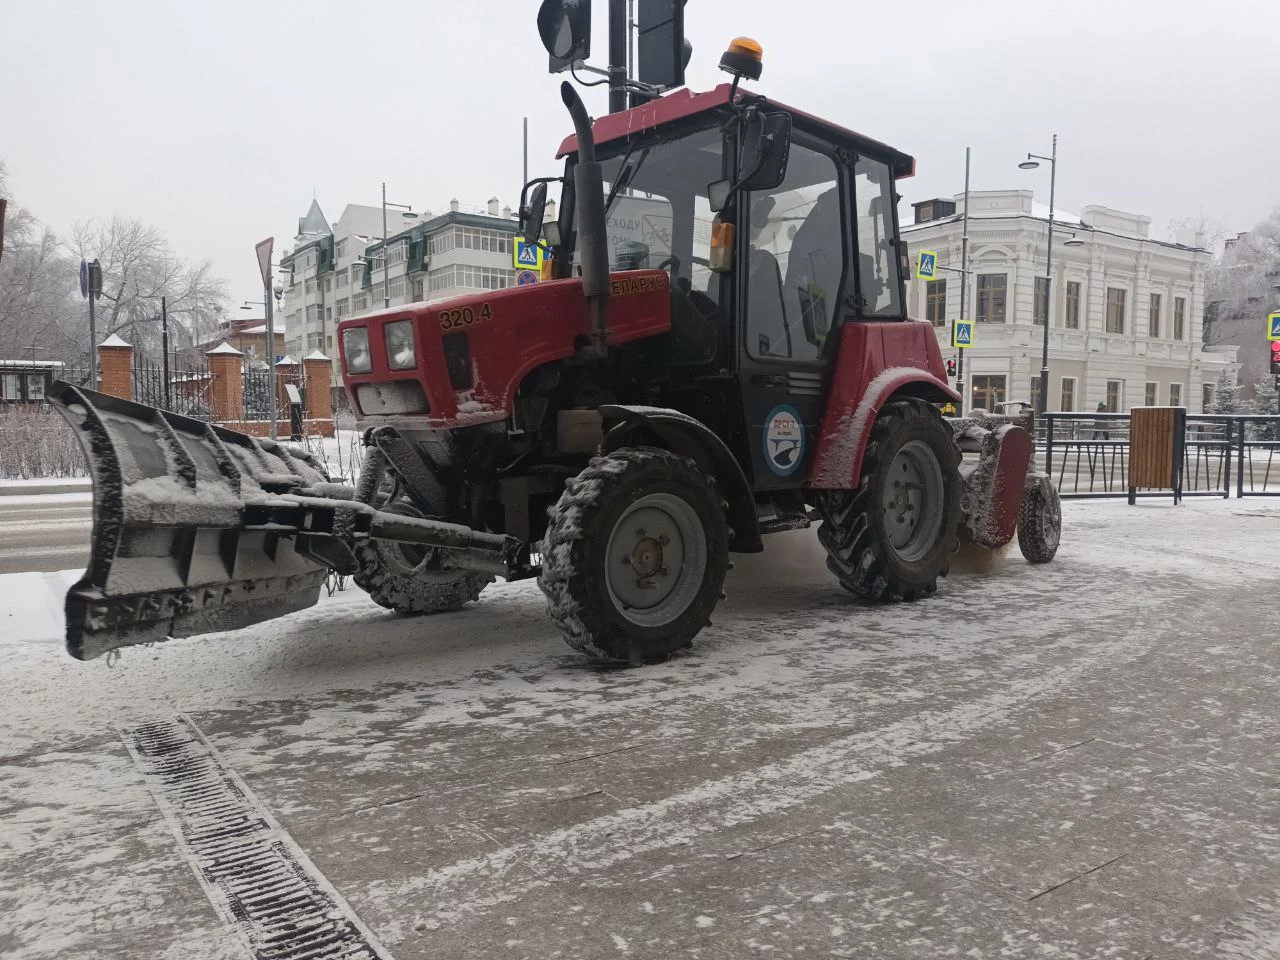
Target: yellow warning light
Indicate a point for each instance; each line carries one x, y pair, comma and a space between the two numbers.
744, 58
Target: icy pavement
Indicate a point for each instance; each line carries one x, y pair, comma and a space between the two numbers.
1075, 760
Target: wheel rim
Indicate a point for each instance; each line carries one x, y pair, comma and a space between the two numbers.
407, 558
655, 559
1050, 518
911, 500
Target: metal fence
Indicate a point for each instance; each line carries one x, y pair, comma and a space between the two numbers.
259, 382
183, 387
1087, 455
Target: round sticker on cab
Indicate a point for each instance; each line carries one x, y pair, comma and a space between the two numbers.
783, 440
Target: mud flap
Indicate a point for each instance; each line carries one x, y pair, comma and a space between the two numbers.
993, 485
170, 555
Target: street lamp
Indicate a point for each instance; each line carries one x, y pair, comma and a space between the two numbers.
407, 215
1031, 163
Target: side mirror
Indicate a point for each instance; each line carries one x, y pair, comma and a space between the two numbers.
551, 234
531, 214
766, 146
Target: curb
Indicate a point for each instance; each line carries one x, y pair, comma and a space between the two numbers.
34, 488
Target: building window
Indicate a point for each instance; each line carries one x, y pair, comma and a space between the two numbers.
342, 278
396, 254
441, 279
1035, 390
315, 341
1040, 308
935, 302
988, 392
340, 249
483, 278
313, 313
328, 314
1115, 390
356, 269
417, 291
309, 288
344, 307
1179, 318
395, 289
360, 304
1068, 398
1206, 398
441, 242
1073, 306
328, 284
991, 297
1115, 310
1152, 395
1153, 320
1175, 394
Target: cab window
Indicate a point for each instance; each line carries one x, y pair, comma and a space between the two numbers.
796, 261
879, 282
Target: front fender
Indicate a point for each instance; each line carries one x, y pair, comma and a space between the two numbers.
689, 437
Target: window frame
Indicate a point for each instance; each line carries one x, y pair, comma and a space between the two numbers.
935, 294
1113, 406
1062, 393
1179, 318
1155, 308
1039, 299
1122, 304
1151, 394
1071, 319
1004, 297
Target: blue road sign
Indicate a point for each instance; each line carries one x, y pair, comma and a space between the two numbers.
962, 334
1273, 326
526, 278
926, 265
526, 255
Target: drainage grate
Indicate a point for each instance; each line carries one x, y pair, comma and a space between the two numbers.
257, 878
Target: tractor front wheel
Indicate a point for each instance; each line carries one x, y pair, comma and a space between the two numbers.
635, 554
1039, 520
410, 579
895, 535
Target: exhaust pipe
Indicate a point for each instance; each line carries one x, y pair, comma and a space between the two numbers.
593, 245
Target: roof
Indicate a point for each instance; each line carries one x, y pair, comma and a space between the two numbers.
684, 103
225, 347
314, 223
113, 341
315, 354
30, 364
262, 329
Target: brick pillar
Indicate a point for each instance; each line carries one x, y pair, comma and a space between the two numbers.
226, 395
288, 370
319, 385
115, 359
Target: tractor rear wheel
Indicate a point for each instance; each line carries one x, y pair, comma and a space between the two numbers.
410, 579
895, 535
635, 554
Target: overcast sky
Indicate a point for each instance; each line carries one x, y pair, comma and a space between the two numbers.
217, 121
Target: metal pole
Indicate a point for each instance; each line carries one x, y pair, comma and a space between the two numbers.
386, 277
525, 179
1048, 287
270, 357
617, 55
632, 26
93, 339
964, 278
164, 349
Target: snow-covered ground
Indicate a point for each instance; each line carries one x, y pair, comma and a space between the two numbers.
1074, 760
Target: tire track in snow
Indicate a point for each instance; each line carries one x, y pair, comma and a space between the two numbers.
473, 885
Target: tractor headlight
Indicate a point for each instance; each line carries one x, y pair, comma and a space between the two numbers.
400, 345
355, 346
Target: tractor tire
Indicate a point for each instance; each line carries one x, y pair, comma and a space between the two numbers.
1039, 520
634, 556
413, 580
884, 542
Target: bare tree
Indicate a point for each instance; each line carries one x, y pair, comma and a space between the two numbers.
138, 268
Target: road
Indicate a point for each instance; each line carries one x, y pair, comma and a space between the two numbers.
44, 533
1070, 761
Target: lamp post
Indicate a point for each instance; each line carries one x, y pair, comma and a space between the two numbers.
407, 215
1031, 163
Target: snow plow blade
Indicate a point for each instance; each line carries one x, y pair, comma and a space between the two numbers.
199, 529
993, 483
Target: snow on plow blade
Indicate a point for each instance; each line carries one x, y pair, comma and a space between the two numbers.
170, 555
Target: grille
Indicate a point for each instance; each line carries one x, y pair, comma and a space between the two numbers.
257, 878
394, 397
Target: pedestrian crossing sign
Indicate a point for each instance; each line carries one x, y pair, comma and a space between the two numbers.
926, 265
1273, 326
526, 255
962, 334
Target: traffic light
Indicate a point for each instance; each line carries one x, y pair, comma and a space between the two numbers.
662, 52
951, 368
565, 28
1275, 357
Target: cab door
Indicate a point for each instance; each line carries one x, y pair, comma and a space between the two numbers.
794, 266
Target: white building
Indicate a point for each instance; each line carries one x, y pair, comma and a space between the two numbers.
1125, 328
335, 271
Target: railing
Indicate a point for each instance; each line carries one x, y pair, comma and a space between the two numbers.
1087, 455
184, 388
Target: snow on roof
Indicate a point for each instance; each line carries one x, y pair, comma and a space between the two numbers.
225, 347
30, 364
287, 361
315, 354
262, 329
1041, 210
113, 341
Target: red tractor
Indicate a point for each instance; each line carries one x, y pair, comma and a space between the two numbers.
718, 350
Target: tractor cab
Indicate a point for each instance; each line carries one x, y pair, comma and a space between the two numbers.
776, 229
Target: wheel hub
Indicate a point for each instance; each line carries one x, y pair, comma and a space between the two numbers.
646, 558
656, 558
911, 500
